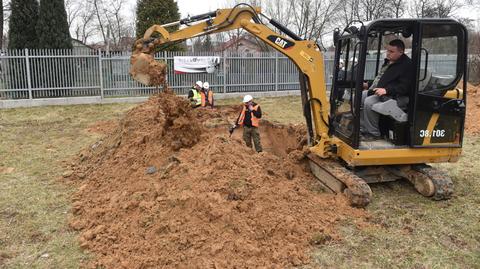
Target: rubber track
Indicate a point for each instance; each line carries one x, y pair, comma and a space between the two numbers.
357, 192
442, 182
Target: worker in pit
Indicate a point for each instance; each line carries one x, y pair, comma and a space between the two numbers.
194, 95
249, 118
207, 95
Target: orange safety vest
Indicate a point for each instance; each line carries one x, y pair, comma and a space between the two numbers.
204, 98
255, 120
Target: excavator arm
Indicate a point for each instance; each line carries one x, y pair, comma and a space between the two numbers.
305, 54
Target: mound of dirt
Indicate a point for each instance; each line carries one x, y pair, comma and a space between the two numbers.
472, 124
164, 191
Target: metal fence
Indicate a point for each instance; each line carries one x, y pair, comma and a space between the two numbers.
33, 74
36, 74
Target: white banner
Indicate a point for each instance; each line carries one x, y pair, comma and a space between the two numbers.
192, 64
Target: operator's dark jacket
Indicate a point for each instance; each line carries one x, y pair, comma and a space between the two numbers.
398, 78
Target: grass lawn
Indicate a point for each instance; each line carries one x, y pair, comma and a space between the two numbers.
410, 231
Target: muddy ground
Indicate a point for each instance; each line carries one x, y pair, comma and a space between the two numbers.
168, 187
472, 124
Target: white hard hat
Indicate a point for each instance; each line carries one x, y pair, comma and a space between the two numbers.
199, 83
206, 85
247, 98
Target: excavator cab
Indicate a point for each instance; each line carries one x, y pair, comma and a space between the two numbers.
424, 127
433, 114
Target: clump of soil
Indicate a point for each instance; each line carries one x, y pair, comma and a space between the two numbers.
146, 70
472, 124
169, 189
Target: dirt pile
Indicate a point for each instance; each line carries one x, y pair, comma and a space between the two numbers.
472, 124
163, 191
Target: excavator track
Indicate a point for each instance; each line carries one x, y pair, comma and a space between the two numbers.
443, 185
339, 179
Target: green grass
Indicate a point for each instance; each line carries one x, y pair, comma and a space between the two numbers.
409, 231
278, 109
34, 205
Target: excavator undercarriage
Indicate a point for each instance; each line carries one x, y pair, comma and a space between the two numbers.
353, 183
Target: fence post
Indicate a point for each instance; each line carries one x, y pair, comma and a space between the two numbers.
224, 72
100, 68
29, 75
165, 58
276, 71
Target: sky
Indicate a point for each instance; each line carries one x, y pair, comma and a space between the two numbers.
195, 7
192, 7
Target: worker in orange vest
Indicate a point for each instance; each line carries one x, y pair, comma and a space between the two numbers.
207, 95
249, 118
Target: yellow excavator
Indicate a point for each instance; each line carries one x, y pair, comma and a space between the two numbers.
428, 130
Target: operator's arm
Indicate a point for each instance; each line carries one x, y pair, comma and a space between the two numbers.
190, 94
257, 113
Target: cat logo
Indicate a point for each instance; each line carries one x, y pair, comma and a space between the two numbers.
281, 42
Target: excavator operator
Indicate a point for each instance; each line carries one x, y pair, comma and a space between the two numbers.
394, 81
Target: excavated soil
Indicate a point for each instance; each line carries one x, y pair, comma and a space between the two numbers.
147, 70
168, 188
472, 124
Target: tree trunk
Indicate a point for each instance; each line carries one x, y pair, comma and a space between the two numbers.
95, 3
1, 25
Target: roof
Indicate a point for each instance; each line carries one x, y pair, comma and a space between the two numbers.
399, 24
80, 43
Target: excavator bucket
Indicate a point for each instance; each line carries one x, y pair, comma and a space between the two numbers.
146, 70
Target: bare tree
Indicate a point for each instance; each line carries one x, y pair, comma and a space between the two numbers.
435, 8
374, 9
397, 8
73, 9
367, 10
5, 5
279, 10
98, 8
1, 26
348, 12
115, 20
110, 23
84, 28
312, 18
